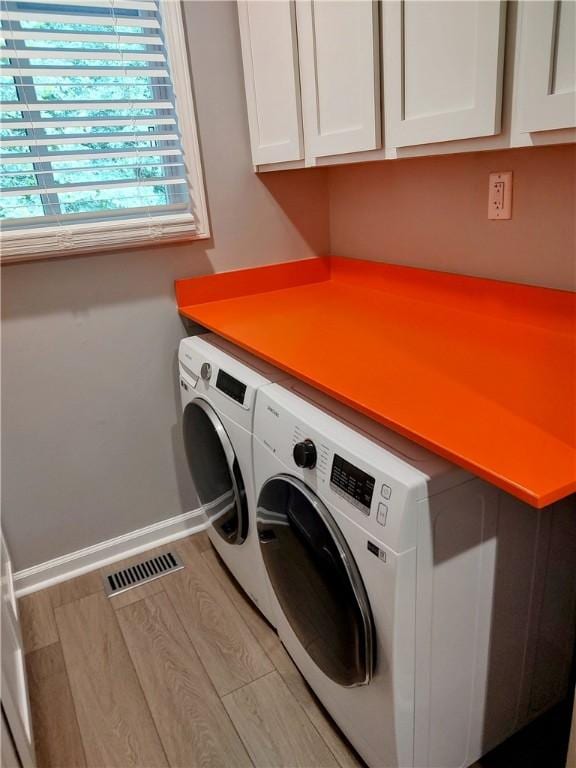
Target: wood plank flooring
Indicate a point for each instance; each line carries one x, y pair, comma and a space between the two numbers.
274, 727
229, 651
189, 716
181, 672
185, 672
115, 722
50, 693
37, 620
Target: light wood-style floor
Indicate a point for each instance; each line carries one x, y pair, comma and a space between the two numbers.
184, 672
179, 672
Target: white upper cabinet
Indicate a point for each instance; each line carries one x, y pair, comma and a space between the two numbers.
547, 95
321, 75
443, 68
338, 44
270, 58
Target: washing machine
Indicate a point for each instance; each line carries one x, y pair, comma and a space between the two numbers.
432, 615
218, 385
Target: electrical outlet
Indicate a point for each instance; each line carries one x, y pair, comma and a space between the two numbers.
500, 195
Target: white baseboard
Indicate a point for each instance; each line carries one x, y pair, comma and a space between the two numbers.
83, 560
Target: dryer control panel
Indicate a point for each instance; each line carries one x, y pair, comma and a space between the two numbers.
352, 483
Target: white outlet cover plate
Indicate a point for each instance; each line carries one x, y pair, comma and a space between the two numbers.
500, 195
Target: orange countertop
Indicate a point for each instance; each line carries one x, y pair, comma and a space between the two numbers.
479, 371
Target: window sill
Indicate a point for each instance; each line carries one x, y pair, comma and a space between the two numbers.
90, 239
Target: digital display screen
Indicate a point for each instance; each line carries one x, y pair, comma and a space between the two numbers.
231, 386
353, 482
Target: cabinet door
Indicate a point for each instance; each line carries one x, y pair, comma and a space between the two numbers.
443, 66
547, 95
340, 75
270, 58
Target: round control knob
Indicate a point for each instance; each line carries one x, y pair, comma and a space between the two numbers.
206, 371
304, 454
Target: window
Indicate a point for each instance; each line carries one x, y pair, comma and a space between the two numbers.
98, 137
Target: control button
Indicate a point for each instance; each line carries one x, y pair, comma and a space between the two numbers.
386, 491
304, 454
206, 371
382, 513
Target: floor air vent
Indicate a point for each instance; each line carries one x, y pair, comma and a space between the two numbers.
140, 573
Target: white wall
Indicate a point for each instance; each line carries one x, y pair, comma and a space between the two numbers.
91, 437
431, 212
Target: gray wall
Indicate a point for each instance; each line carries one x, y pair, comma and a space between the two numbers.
91, 440
431, 212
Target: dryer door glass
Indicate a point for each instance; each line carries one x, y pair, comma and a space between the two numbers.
215, 471
316, 580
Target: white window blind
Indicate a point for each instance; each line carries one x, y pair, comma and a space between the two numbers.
94, 96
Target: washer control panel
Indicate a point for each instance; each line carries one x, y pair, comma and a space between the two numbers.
357, 475
352, 483
230, 386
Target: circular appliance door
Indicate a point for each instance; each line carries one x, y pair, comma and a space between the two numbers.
316, 580
215, 471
